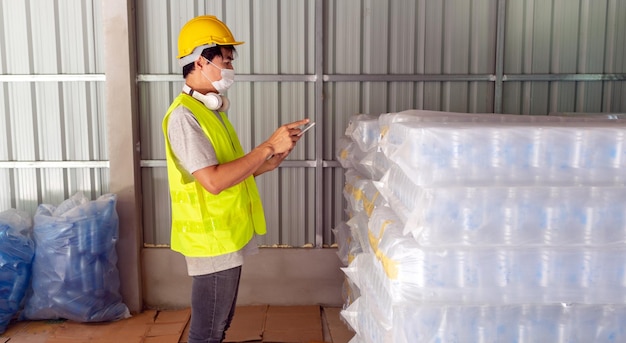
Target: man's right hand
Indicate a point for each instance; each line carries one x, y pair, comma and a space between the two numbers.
286, 136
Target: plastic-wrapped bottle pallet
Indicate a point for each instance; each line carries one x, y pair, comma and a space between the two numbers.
509, 323
484, 232
506, 215
390, 143
512, 154
502, 275
360, 159
391, 314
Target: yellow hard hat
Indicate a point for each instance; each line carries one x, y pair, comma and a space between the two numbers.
200, 33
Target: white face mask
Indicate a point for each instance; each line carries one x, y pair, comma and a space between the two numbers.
228, 78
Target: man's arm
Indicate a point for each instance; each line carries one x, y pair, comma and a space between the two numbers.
271, 164
219, 177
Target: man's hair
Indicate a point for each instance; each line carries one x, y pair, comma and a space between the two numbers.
209, 54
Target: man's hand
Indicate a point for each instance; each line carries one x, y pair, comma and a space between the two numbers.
285, 137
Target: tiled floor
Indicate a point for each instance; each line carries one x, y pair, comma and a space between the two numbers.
306, 324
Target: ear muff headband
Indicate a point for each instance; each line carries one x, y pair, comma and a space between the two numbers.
212, 101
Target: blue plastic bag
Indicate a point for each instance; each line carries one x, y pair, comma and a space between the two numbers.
74, 271
16, 255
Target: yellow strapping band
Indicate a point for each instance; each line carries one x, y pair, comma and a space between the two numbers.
384, 130
389, 266
369, 205
344, 154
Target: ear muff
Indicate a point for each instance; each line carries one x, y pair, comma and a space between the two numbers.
212, 101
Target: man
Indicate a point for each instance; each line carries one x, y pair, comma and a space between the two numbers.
216, 208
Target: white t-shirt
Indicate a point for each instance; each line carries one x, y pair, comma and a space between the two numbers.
194, 151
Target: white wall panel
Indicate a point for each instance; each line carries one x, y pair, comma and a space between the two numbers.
239, 16
155, 99
293, 33
15, 29
414, 37
344, 46
557, 37
375, 34
26, 187
49, 115
156, 204
53, 182
21, 122
342, 104
155, 48
51, 121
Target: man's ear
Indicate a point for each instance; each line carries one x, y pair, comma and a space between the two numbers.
198, 63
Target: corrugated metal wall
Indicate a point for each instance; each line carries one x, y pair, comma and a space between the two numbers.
324, 59
564, 37
51, 93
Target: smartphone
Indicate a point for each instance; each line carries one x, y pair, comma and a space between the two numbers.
306, 128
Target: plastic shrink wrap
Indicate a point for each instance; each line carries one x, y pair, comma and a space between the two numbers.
509, 323
361, 194
17, 250
343, 237
514, 154
74, 271
358, 148
507, 215
493, 228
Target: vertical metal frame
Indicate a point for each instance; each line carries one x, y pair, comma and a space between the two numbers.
500, 25
319, 118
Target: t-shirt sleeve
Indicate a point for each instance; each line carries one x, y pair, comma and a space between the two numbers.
190, 145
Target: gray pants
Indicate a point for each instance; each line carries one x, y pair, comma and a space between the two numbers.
213, 298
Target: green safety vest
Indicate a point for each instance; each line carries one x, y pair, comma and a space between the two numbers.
204, 224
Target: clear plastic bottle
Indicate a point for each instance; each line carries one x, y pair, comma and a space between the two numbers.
545, 323
607, 225
18, 285
581, 153
82, 230
604, 156
558, 155
496, 152
553, 218
525, 329
538, 161
510, 219
471, 215
465, 264
530, 208
87, 264
71, 305
72, 262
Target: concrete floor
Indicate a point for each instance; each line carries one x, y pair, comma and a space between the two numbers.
295, 280
171, 327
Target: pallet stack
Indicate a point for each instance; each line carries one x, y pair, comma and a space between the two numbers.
484, 228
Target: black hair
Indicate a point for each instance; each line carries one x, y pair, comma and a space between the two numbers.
209, 54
